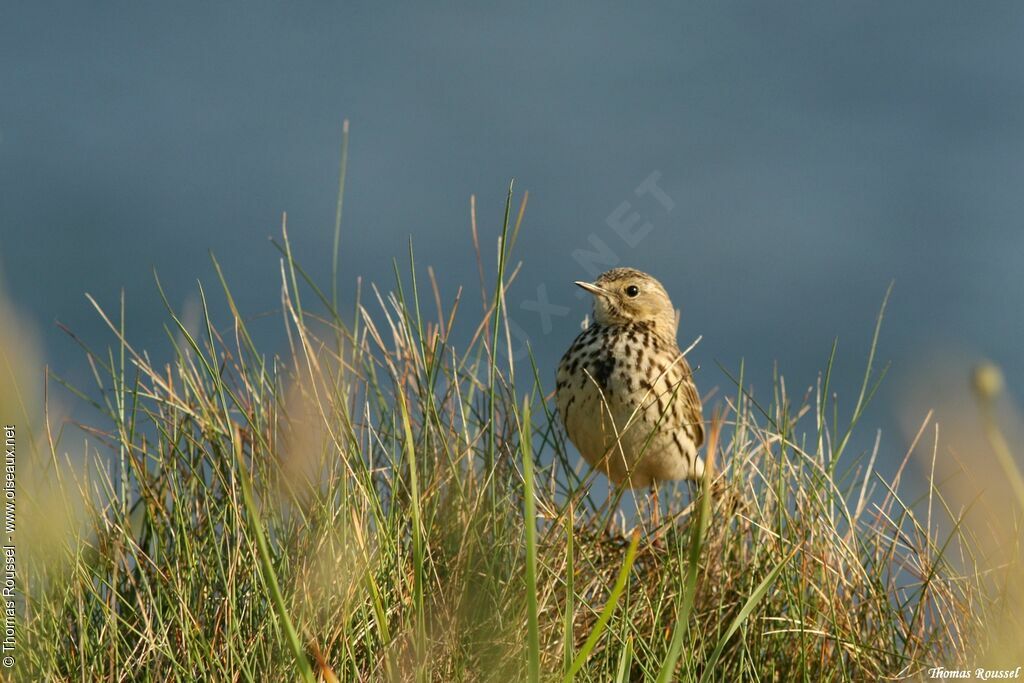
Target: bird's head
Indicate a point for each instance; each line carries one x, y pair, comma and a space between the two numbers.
626, 295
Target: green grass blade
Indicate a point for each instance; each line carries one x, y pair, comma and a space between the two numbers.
698, 529
568, 627
267, 565
755, 597
530, 522
625, 662
606, 613
342, 171
499, 298
419, 571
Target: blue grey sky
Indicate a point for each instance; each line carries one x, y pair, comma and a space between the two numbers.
812, 153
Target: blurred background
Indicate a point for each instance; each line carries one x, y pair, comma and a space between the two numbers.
776, 166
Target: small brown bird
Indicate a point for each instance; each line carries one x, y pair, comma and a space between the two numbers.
624, 390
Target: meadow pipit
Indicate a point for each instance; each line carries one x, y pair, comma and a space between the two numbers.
624, 390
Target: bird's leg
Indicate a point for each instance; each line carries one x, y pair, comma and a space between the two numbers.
655, 512
609, 504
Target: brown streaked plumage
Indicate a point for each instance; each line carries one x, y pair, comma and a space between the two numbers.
624, 390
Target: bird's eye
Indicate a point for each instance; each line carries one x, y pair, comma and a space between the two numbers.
632, 291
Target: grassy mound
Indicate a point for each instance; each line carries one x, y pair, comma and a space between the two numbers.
384, 504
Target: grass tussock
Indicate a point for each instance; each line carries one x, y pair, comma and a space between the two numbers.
389, 500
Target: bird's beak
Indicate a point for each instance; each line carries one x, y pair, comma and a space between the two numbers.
592, 288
